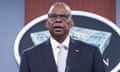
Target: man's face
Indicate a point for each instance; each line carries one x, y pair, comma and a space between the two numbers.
59, 22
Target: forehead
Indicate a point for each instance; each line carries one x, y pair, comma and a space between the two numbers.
59, 9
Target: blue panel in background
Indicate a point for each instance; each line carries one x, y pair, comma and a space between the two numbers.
11, 22
118, 12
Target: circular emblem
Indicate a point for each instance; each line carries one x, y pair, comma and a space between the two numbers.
89, 27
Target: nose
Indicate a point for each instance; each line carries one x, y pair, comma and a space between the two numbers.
58, 19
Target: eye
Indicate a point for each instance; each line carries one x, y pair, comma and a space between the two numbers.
52, 15
64, 16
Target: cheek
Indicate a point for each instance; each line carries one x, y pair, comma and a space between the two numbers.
51, 29
50, 24
67, 28
67, 25
50, 21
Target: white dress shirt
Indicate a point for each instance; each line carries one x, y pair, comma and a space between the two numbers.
55, 44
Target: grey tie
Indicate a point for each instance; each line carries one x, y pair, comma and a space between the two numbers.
61, 59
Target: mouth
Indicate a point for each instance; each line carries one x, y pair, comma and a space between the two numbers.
58, 28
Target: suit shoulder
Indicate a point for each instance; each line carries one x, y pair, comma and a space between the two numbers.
35, 48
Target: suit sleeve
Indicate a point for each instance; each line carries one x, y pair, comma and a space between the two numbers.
98, 65
24, 66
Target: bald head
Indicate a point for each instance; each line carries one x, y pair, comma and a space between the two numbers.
60, 4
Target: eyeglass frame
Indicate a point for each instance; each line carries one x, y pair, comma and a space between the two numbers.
62, 16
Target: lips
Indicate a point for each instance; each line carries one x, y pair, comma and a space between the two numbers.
58, 28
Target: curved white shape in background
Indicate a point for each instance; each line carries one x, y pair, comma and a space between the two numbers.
43, 17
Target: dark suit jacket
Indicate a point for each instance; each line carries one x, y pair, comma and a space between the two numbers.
82, 57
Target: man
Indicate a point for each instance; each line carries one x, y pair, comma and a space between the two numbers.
77, 56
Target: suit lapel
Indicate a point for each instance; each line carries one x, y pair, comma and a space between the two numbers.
73, 55
49, 58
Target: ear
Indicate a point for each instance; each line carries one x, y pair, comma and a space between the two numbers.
47, 24
71, 23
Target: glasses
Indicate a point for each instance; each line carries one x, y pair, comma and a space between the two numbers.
63, 16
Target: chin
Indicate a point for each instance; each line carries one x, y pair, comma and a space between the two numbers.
58, 36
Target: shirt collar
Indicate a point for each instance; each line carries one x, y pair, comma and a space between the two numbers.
55, 43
